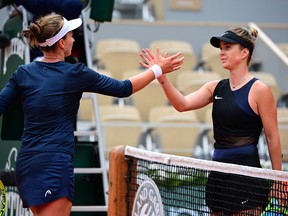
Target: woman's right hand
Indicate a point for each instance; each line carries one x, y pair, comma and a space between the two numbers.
167, 63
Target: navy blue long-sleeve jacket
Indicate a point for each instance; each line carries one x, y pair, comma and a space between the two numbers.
50, 94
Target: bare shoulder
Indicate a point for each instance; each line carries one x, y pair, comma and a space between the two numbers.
260, 91
211, 85
259, 87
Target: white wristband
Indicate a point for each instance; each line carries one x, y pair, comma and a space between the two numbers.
156, 70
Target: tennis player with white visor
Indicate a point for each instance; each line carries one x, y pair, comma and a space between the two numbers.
50, 91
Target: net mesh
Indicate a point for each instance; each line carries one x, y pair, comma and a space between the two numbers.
198, 187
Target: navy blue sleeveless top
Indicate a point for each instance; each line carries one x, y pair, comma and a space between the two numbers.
235, 123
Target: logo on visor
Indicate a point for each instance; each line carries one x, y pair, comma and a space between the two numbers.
224, 34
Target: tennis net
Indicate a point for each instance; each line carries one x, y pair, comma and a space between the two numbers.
188, 186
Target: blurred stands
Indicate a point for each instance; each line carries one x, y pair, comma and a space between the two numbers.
283, 47
131, 9
124, 133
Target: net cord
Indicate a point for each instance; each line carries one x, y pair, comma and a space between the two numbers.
275, 175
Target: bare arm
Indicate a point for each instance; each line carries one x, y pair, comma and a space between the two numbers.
194, 100
267, 109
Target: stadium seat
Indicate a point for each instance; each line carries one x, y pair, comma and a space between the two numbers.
172, 47
121, 130
86, 121
282, 117
190, 81
207, 50
270, 80
117, 55
85, 111
150, 96
174, 132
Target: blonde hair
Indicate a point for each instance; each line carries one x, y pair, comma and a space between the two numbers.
249, 35
43, 28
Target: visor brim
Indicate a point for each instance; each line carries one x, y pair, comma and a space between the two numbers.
74, 24
215, 41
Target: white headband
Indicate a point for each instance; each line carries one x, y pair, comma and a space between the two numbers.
67, 26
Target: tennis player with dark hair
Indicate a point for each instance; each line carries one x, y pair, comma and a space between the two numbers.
242, 107
50, 91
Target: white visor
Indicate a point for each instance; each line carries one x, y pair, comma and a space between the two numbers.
67, 27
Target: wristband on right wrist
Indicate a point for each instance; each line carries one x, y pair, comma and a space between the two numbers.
156, 70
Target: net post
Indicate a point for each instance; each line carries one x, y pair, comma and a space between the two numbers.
117, 189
